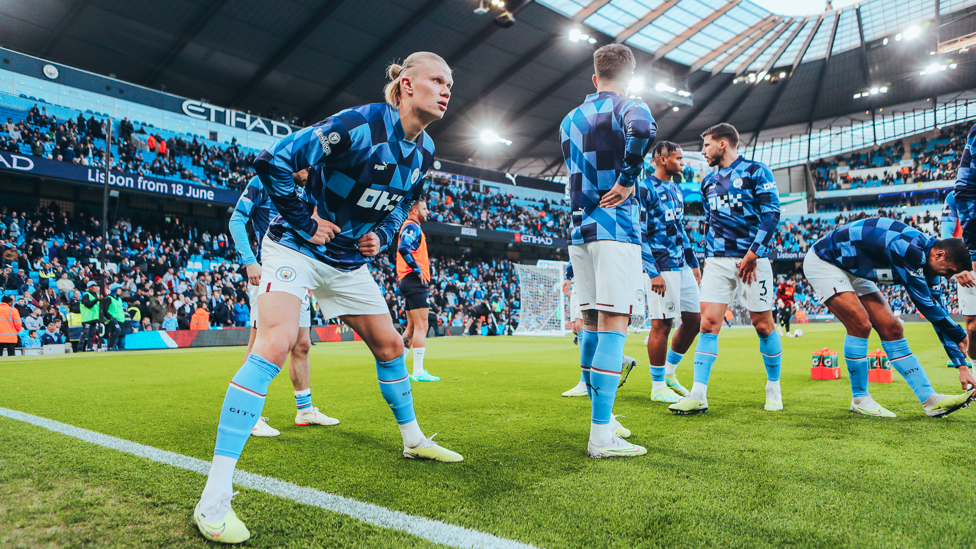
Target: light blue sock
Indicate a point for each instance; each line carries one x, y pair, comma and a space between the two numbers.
657, 373
303, 400
856, 356
672, 363
243, 404
395, 386
909, 367
605, 374
706, 351
771, 349
587, 343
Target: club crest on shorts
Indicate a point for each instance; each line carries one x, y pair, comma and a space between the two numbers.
640, 297
840, 280
285, 274
670, 306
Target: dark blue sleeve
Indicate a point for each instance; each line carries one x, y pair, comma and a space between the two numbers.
641, 129
767, 195
927, 299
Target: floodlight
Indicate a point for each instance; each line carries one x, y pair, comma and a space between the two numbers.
489, 136
911, 32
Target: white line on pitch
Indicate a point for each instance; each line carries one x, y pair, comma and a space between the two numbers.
431, 530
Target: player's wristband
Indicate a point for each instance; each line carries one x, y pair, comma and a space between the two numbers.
967, 363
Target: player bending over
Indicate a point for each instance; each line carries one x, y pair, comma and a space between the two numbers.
671, 272
413, 270
741, 211
604, 141
255, 206
323, 246
843, 268
965, 283
627, 366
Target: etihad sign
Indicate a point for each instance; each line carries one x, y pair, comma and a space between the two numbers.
235, 119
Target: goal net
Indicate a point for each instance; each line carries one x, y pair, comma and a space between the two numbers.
545, 309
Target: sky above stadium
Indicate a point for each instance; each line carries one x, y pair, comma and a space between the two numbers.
800, 7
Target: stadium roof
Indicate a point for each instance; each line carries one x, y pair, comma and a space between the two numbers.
305, 59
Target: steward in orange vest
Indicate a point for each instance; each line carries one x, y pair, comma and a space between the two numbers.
200, 319
10, 325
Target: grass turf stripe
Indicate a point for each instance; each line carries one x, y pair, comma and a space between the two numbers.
431, 530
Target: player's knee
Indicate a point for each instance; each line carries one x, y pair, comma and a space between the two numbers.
859, 327
891, 330
301, 347
272, 349
691, 320
388, 349
709, 325
763, 326
662, 326
971, 325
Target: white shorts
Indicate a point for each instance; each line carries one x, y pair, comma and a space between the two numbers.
721, 280
967, 300
304, 321
681, 295
574, 308
829, 280
607, 276
339, 293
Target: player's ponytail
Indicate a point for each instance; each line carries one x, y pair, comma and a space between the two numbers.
395, 72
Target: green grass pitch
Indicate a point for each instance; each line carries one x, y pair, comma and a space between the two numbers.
814, 475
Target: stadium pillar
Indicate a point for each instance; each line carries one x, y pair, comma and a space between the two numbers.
874, 127
108, 176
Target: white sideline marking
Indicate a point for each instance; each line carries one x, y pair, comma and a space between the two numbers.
431, 530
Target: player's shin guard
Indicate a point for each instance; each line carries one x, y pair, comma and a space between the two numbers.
771, 349
705, 354
604, 375
243, 405
587, 344
395, 386
909, 367
856, 356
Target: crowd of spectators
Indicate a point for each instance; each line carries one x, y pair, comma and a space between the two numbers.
886, 155
939, 159
452, 202
81, 140
932, 160
798, 233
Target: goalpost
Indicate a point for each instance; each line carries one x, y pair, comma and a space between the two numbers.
545, 308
